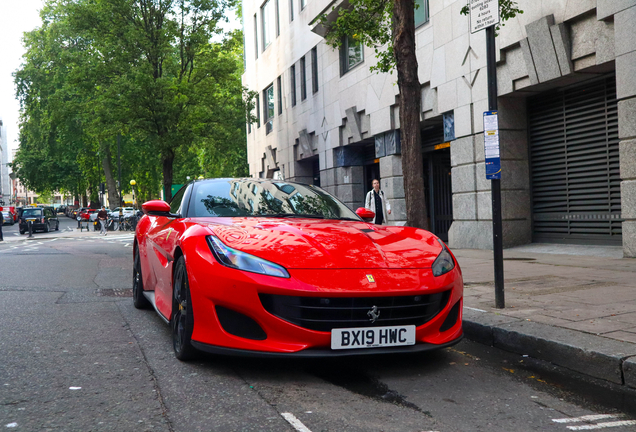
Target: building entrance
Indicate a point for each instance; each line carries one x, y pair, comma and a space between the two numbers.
574, 161
438, 191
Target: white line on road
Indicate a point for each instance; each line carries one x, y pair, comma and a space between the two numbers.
297, 424
592, 417
604, 425
478, 310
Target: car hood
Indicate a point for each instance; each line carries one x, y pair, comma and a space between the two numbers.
319, 244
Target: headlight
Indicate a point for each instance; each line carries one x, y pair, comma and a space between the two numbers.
244, 261
444, 261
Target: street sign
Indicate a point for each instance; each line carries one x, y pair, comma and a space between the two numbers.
491, 145
483, 13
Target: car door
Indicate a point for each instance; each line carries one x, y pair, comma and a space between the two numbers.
161, 243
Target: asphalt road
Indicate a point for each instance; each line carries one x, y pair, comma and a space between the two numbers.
75, 355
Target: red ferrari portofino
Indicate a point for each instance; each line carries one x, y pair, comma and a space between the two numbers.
273, 268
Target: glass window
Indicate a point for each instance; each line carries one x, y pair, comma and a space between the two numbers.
275, 199
277, 19
303, 79
268, 108
303, 3
267, 14
258, 112
279, 83
292, 73
421, 12
256, 35
175, 203
351, 54
314, 69
32, 212
291, 10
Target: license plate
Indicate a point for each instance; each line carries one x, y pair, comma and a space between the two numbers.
372, 337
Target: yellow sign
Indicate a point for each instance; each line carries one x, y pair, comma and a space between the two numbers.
442, 146
370, 278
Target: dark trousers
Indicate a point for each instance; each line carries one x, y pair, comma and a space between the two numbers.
1, 238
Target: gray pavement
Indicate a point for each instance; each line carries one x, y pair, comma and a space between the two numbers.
573, 306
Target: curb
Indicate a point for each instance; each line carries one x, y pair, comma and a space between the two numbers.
588, 354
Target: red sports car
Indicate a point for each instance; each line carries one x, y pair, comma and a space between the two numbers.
274, 268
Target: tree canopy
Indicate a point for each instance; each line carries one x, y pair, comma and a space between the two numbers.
160, 74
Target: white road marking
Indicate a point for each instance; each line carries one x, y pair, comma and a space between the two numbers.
478, 310
592, 417
604, 425
297, 424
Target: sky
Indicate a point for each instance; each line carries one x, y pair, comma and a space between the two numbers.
17, 17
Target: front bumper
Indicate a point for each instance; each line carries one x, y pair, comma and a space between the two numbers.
213, 285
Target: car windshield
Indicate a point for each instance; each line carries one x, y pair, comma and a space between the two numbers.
32, 213
269, 198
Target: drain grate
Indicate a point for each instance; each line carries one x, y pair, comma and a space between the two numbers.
118, 292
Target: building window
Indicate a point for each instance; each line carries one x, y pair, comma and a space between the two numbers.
256, 35
303, 3
277, 19
268, 108
258, 112
351, 54
314, 69
292, 73
279, 84
303, 79
291, 10
268, 17
421, 12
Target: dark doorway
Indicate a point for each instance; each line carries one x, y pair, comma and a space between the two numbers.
438, 190
371, 171
315, 167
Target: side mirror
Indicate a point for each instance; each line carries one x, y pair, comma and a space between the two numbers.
157, 207
366, 215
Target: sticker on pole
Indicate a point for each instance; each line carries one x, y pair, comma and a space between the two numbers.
483, 13
491, 145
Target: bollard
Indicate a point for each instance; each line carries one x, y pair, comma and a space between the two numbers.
30, 225
78, 222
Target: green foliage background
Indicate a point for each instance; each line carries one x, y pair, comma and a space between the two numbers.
147, 70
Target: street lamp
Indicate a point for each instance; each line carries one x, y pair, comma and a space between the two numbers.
133, 183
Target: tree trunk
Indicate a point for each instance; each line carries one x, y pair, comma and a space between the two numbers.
111, 185
167, 159
410, 109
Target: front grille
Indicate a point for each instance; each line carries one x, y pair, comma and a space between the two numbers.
326, 313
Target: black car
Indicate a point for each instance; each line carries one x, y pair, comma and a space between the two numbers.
43, 219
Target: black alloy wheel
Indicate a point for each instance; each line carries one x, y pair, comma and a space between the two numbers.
182, 319
139, 299
47, 227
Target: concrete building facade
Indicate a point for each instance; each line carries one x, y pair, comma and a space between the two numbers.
567, 117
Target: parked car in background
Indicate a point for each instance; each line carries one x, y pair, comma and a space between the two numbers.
43, 219
7, 216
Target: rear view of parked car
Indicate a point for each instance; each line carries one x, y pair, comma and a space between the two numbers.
43, 219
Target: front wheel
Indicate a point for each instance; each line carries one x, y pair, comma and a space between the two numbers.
182, 317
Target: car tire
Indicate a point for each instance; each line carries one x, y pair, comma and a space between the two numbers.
21, 232
182, 319
47, 227
139, 299
57, 227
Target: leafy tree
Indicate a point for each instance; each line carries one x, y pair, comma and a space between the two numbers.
389, 27
145, 69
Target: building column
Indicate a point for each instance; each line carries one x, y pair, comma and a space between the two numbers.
392, 183
625, 46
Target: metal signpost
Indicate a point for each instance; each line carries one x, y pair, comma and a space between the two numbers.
484, 14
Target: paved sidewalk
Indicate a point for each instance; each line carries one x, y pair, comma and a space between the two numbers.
574, 306
63, 233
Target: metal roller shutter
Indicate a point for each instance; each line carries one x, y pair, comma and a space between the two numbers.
575, 164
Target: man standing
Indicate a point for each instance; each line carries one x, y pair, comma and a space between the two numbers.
1, 222
102, 216
376, 202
